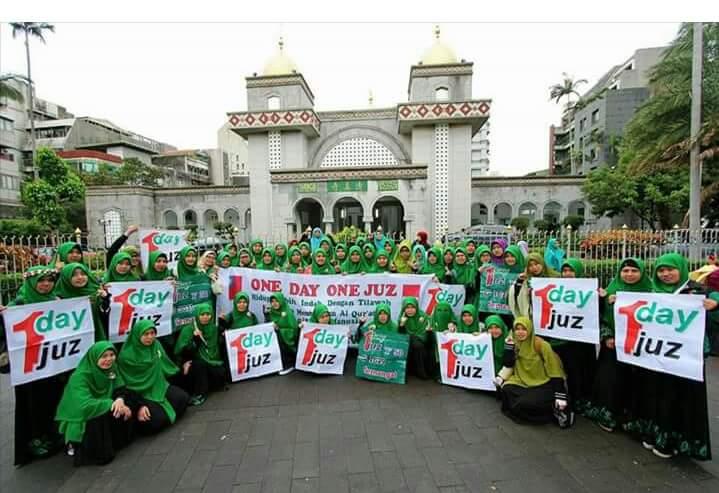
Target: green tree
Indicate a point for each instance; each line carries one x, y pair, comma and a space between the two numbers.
574, 221
135, 172
47, 197
520, 223
105, 175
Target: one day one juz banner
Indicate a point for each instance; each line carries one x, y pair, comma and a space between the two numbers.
167, 241
466, 360
253, 351
134, 301
566, 308
322, 348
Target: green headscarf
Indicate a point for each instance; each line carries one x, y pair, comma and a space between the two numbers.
343, 247
221, 256
186, 272
644, 285
442, 315
289, 266
498, 343
28, 294
376, 268
474, 326
285, 319
64, 288
152, 274
389, 326
256, 257
234, 260
111, 274
403, 266
64, 250
417, 324
546, 272
368, 263
307, 259
247, 251
88, 393
536, 362
209, 349
262, 265
145, 368
464, 274
436, 269
133, 251
445, 252
675, 261
515, 252
392, 253
319, 270
482, 249
329, 252
280, 260
242, 319
466, 244
576, 265
319, 310
349, 267
423, 258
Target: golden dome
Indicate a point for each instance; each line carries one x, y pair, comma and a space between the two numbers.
280, 63
439, 53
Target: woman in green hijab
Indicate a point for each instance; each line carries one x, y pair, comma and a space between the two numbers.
353, 263
415, 323
468, 322
611, 397
381, 321
35, 402
157, 269
69, 252
145, 368
92, 414
368, 254
306, 252
340, 255
499, 332
136, 260
241, 316
198, 350
443, 318
280, 255
536, 391
120, 269
76, 281
187, 269
232, 252
256, 248
434, 265
245, 259
464, 273
285, 323
419, 258
267, 261
295, 264
320, 264
224, 261
321, 315
402, 262
381, 263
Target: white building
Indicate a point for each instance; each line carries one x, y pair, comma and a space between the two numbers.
480, 152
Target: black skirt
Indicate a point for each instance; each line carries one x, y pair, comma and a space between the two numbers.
529, 404
610, 400
579, 360
103, 437
420, 360
158, 417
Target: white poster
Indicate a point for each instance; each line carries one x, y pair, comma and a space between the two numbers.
661, 332
133, 301
253, 351
566, 308
45, 339
165, 240
322, 348
453, 294
466, 360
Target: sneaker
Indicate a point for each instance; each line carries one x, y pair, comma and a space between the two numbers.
647, 445
664, 454
565, 418
606, 428
70, 450
287, 371
197, 400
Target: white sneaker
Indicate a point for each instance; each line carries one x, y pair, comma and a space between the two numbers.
661, 454
647, 445
70, 450
287, 371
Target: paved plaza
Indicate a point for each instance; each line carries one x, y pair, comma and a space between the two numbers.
303, 433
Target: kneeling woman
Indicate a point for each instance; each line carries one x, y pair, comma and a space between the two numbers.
415, 323
198, 347
536, 392
92, 414
145, 368
283, 318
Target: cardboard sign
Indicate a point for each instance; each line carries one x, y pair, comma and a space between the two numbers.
566, 308
494, 289
253, 352
187, 296
466, 360
454, 294
167, 241
322, 348
383, 357
134, 301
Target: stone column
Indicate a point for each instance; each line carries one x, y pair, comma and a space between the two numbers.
328, 225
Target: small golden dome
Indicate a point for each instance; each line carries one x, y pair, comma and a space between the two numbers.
439, 53
280, 63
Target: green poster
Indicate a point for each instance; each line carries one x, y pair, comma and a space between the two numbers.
382, 357
493, 290
187, 296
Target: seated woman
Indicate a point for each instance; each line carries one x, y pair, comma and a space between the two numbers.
198, 348
241, 316
353, 264
145, 368
415, 323
320, 264
536, 391
468, 320
283, 318
381, 321
92, 413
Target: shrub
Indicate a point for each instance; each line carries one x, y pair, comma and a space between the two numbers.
520, 223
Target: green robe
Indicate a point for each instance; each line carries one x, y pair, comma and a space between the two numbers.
417, 324
285, 320
207, 350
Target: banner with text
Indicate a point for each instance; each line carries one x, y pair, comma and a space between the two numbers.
566, 308
661, 332
493, 290
322, 348
450, 293
253, 352
164, 240
45, 339
187, 296
133, 301
382, 357
466, 360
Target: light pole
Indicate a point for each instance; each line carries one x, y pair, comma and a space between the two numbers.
695, 165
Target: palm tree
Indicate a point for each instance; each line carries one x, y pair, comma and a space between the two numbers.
36, 30
567, 87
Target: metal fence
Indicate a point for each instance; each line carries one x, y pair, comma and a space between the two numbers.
600, 250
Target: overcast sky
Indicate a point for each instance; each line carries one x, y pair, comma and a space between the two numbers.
175, 82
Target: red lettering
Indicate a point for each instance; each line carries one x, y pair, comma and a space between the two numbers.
310, 336
267, 285
127, 310
451, 357
633, 325
33, 340
433, 300
546, 304
149, 240
235, 286
241, 352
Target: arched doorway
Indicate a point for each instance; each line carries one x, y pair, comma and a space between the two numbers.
480, 214
347, 212
528, 210
210, 219
388, 212
552, 212
232, 217
502, 213
170, 219
309, 213
190, 217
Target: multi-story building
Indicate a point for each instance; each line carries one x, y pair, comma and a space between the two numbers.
590, 133
185, 168
232, 154
480, 152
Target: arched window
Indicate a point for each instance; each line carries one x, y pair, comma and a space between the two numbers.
170, 219
190, 217
211, 218
441, 94
112, 224
503, 213
273, 103
528, 210
479, 214
231, 216
552, 212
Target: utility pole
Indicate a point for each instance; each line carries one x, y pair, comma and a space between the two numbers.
695, 165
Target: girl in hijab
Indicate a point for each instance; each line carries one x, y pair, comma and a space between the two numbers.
76, 281
498, 246
92, 414
464, 273
483, 255
232, 252
187, 268
535, 392
69, 252
468, 321
443, 318
245, 259
553, 255
157, 269
224, 261
353, 264
499, 332
381, 321
673, 416
306, 251
320, 264
198, 348
280, 255
339, 257
415, 323
208, 262
321, 315
402, 262
381, 263
448, 258
120, 269
368, 253
145, 368
519, 292
326, 245
268, 260
435, 266
36, 435
389, 247
136, 262
315, 239
241, 316
379, 239
295, 265
419, 258
256, 248
610, 391
285, 323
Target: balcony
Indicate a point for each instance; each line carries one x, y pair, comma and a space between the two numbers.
249, 122
473, 112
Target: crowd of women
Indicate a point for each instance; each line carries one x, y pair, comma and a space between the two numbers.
146, 383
